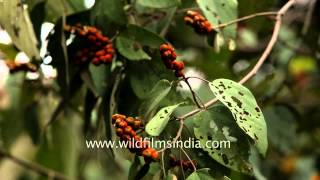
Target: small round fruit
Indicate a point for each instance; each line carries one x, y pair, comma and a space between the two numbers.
128, 130
155, 155
178, 65
130, 120
119, 132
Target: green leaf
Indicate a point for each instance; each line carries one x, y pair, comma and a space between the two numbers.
130, 49
134, 168
157, 124
221, 11
278, 118
16, 21
200, 175
159, 91
100, 75
111, 9
244, 108
143, 36
217, 127
159, 4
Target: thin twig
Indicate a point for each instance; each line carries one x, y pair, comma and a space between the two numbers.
179, 132
41, 170
194, 95
253, 71
245, 18
308, 17
185, 153
261, 60
200, 78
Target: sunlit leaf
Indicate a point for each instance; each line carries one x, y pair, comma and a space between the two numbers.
244, 108
159, 4
219, 12
16, 21
200, 174
157, 124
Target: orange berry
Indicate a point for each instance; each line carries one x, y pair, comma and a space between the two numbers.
192, 13
127, 129
178, 65
155, 155
188, 20
147, 152
96, 61
122, 124
118, 116
137, 124
119, 132
165, 47
130, 120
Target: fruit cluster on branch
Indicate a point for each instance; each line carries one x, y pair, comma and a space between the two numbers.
17, 67
98, 49
168, 56
126, 128
199, 23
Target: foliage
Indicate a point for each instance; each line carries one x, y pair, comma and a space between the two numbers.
270, 119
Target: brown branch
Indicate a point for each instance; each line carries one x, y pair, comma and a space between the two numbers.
41, 170
261, 60
194, 95
254, 70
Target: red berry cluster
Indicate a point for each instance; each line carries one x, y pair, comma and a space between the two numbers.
126, 129
98, 48
186, 164
168, 55
199, 23
17, 67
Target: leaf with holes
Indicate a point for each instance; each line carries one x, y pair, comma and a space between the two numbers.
217, 125
131, 49
219, 12
158, 4
157, 124
244, 108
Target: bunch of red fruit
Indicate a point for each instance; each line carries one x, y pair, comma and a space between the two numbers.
199, 23
186, 164
126, 129
168, 56
17, 67
98, 48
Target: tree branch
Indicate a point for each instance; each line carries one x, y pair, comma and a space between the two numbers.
41, 170
261, 60
270, 13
